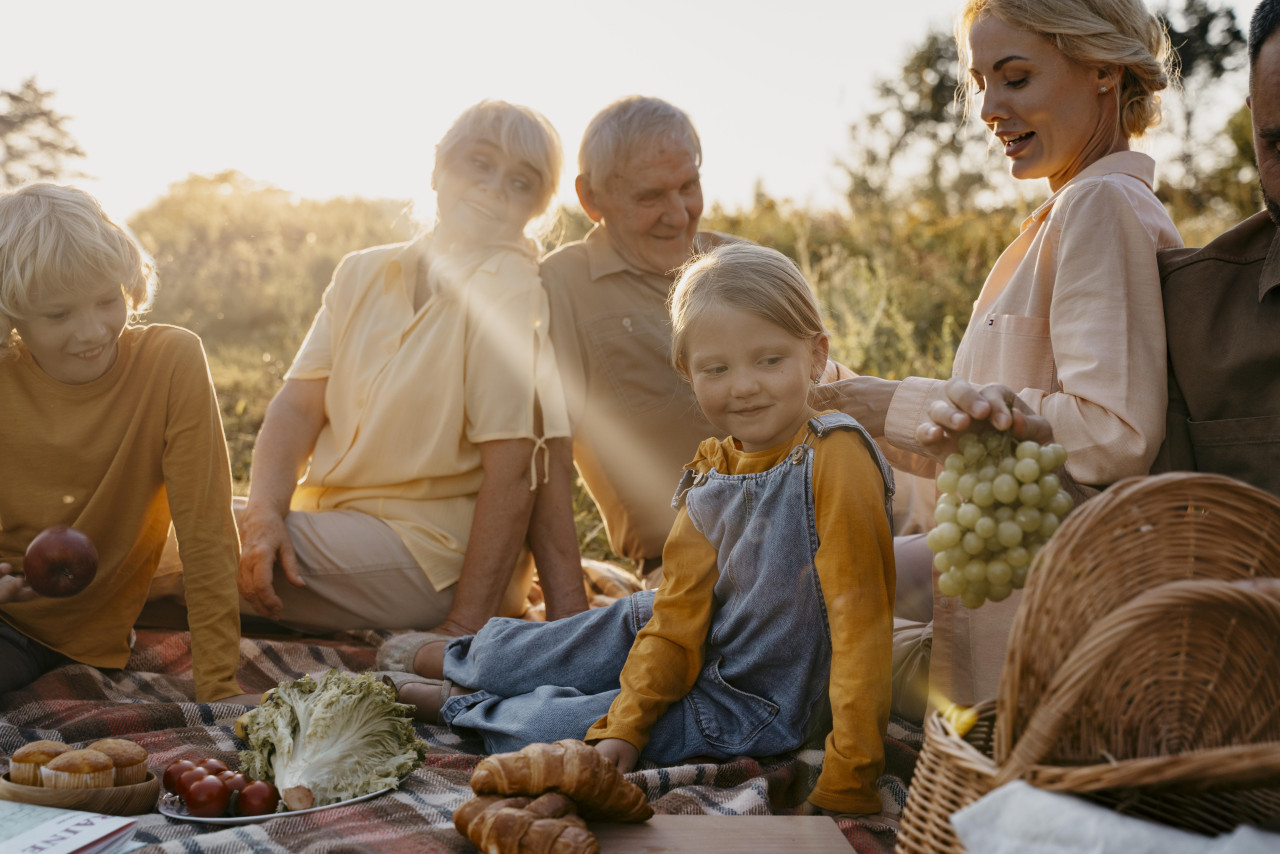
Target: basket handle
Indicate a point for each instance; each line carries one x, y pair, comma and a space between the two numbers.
1261, 596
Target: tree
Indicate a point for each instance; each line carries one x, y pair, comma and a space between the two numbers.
932, 208
1232, 186
243, 264
34, 142
1209, 45
917, 145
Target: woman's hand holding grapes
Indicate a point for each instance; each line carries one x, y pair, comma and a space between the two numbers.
959, 406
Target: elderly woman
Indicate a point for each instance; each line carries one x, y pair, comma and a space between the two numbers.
420, 406
1068, 328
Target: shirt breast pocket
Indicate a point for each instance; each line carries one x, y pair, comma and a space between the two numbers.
1013, 350
633, 353
1247, 449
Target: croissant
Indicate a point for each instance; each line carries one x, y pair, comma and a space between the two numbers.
547, 825
569, 766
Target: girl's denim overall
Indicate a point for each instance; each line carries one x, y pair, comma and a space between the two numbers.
763, 684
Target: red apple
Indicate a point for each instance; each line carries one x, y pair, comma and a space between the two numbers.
60, 562
174, 773
257, 798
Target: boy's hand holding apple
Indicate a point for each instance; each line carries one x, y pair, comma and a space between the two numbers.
14, 588
60, 562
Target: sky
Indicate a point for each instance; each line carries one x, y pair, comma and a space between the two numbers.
326, 98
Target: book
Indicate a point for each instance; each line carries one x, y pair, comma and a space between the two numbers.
33, 829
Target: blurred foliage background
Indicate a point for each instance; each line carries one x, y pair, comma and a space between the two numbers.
930, 207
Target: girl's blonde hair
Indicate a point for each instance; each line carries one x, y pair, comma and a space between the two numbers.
520, 132
1094, 33
57, 240
744, 276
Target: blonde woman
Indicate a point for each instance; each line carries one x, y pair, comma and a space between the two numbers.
1068, 328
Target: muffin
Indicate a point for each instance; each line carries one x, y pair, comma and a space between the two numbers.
78, 769
129, 759
26, 762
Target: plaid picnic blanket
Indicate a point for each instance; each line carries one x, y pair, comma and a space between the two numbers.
149, 703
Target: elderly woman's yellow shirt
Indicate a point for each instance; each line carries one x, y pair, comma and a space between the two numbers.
410, 395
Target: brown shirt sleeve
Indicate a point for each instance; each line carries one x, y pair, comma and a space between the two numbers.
197, 478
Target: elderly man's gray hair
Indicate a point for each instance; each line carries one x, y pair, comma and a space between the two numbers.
626, 125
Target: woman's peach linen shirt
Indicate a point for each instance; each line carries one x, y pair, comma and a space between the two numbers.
410, 395
1071, 319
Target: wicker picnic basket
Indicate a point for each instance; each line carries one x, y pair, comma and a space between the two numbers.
1140, 671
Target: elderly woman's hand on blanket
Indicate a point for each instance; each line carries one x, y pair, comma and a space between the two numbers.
958, 406
266, 545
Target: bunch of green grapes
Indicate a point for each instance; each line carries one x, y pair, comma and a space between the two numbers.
999, 501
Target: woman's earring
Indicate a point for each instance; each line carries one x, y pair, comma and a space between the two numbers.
1102, 90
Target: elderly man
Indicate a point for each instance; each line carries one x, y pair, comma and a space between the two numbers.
1222, 312
635, 422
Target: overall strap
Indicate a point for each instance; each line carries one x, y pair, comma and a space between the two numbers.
822, 425
687, 482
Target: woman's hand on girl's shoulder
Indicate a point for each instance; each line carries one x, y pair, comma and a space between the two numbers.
14, 588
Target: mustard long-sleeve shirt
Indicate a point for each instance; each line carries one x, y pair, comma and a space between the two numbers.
118, 458
854, 561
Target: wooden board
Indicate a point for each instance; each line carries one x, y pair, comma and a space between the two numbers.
723, 834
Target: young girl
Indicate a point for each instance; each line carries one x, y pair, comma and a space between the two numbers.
109, 428
779, 576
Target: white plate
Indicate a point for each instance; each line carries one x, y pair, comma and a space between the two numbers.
172, 806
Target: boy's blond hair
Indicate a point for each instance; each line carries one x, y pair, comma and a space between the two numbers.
744, 276
57, 240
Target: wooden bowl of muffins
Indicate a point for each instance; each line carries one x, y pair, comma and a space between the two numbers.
109, 776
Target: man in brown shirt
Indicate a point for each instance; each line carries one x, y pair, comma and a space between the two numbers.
1222, 312
635, 421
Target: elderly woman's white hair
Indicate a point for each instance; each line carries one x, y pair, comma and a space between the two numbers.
518, 130
626, 125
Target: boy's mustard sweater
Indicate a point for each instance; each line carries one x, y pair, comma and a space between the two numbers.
116, 458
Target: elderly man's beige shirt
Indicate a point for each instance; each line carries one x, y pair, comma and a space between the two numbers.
411, 395
635, 420
1071, 319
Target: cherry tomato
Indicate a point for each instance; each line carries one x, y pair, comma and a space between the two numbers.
213, 766
187, 778
174, 771
234, 780
257, 798
207, 797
